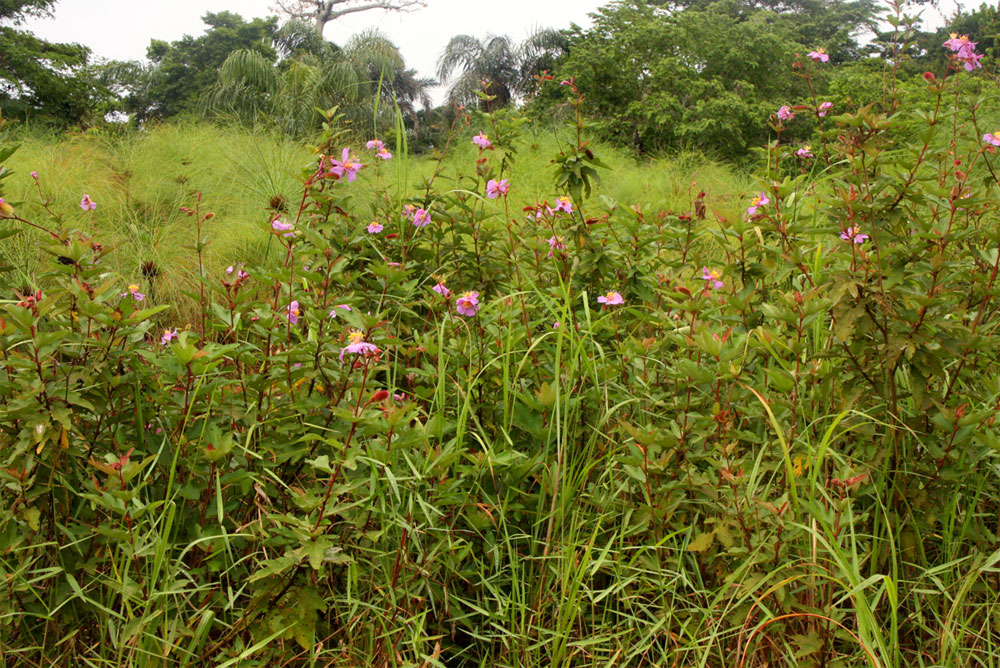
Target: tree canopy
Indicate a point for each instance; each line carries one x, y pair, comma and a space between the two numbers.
505, 66
37, 76
701, 74
181, 72
316, 74
656, 74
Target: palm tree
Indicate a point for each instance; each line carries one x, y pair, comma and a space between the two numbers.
315, 74
507, 68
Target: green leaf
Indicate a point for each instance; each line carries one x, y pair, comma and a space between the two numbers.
701, 542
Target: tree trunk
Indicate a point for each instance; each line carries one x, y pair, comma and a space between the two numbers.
323, 11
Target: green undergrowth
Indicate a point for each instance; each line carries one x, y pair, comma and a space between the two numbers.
141, 179
495, 413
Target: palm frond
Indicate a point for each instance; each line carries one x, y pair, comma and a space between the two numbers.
246, 67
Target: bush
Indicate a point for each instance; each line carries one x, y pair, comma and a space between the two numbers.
565, 434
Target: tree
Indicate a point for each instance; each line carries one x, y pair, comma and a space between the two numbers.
41, 77
507, 68
321, 12
833, 24
316, 75
181, 72
703, 74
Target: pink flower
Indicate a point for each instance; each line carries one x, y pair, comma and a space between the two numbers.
853, 234
133, 292
468, 303
345, 167
612, 298
785, 113
824, 108
556, 325
87, 204
421, 218
757, 202
294, 312
992, 138
964, 50
555, 243
972, 61
279, 226
713, 277
542, 210
240, 274
441, 289
496, 188
168, 336
819, 55
375, 144
482, 141
564, 204
958, 44
345, 307
358, 346
805, 152
383, 154
34, 175
374, 227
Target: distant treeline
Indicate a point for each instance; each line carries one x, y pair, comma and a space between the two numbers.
658, 76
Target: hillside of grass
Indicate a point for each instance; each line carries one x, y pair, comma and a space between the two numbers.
140, 180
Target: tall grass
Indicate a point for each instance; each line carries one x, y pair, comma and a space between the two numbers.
791, 465
140, 181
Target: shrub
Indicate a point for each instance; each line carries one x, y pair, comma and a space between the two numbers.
445, 428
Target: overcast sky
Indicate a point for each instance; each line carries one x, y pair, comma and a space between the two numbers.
121, 29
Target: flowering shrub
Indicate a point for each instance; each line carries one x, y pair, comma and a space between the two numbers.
748, 433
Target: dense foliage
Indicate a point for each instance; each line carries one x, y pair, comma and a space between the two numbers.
510, 69
704, 76
448, 425
180, 72
367, 79
661, 77
41, 77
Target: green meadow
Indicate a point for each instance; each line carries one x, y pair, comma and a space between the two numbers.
547, 387
140, 181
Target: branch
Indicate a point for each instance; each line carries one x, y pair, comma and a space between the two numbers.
330, 14
324, 11
297, 10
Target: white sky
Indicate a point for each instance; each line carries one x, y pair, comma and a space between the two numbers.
121, 29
